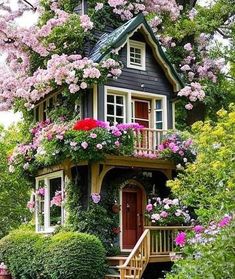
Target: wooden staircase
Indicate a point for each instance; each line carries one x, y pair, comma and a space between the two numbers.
155, 245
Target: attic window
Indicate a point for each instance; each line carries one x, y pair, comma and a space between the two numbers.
136, 55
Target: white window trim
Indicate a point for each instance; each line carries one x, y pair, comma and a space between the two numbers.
46, 178
142, 47
121, 94
138, 94
173, 115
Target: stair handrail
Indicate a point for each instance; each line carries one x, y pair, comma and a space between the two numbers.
145, 235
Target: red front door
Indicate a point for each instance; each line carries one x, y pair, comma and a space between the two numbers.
140, 112
132, 216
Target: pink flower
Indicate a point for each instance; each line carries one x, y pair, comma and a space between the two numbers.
40, 191
198, 229
57, 199
163, 214
99, 6
180, 239
225, 221
93, 135
189, 106
188, 47
96, 197
99, 146
84, 145
117, 143
30, 205
83, 85
149, 207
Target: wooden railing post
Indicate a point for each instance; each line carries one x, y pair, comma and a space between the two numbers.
147, 140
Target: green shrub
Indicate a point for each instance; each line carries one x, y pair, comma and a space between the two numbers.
66, 255
72, 255
18, 251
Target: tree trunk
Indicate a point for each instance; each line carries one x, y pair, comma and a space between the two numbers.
198, 113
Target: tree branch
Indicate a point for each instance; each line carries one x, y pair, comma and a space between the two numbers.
29, 4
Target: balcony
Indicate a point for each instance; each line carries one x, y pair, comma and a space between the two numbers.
147, 141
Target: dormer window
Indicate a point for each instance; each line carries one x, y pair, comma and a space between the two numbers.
136, 53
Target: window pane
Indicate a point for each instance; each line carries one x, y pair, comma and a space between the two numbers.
55, 209
119, 99
119, 120
159, 125
110, 119
159, 104
119, 111
110, 98
110, 109
158, 116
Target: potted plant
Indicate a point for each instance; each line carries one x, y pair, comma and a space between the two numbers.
167, 212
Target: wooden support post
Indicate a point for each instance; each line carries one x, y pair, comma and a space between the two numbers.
97, 176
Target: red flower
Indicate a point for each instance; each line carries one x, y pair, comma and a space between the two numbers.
86, 124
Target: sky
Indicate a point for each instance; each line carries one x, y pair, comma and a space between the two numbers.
7, 118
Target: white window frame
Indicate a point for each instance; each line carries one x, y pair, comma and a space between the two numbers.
46, 178
159, 110
142, 47
134, 94
115, 94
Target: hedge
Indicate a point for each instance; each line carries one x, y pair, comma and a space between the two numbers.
67, 255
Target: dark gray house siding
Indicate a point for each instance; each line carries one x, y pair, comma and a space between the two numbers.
153, 80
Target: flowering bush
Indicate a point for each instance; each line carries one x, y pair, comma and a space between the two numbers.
87, 139
177, 148
167, 212
57, 199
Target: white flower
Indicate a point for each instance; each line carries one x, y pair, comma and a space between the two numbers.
175, 201
166, 206
156, 217
179, 167
11, 169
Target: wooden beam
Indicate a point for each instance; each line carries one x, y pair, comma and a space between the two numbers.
98, 173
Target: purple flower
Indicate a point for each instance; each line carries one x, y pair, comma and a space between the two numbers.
180, 239
95, 197
198, 229
41, 192
225, 221
163, 214
149, 207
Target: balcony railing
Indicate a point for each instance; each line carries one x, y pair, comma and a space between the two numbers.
147, 140
155, 245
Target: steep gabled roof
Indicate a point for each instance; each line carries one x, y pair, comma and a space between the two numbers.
118, 38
